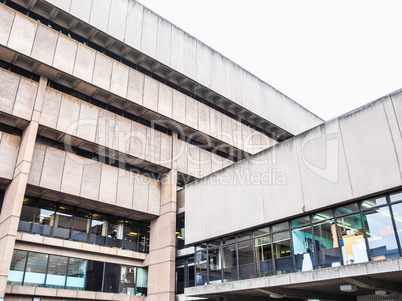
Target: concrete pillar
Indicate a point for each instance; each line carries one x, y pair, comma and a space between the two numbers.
162, 253
14, 195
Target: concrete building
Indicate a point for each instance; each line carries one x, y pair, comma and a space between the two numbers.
137, 163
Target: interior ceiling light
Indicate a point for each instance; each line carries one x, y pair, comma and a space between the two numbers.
348, 288
275, 296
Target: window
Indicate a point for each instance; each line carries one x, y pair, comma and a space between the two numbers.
56, 274
76, 273
36, 269
17, 268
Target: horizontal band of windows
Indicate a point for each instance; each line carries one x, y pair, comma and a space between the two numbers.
19, 71
133, 65
57, 220
10, 129
61, 272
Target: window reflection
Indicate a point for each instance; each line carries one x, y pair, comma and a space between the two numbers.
36, 269
327, 246
215, 265
264, 256
56, 274
17, 268
282, 252
76, 274
229, 263
303, 248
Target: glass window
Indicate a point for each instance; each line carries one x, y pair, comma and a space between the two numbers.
111, 280
323, 215
280, 227
144, 237
262, 231
368, 204
246, 259
128, 280
346, 209
76, 274
81, 225
396, 197
17, 268
282, 252
215, 265
63, 221
142, 281
214, 243
99, 228
56, 273
201, 268
326, 244
93, 280
229, 240
303, 248
44, 218
36, 269
27, 215
380, 234
263, 255
131, 235
191, 272
229, 263
245, 236
352, 239
180, 277
300, 221
397, 212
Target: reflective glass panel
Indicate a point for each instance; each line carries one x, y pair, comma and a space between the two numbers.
326, 244
245, 236
17, 268
380, 234
262, 231
56, 273
76, 274
99, 229
44, 218
282, 252
201, 268
94, 276
191, 272
215, 265
111, 280
396, 197
300, 221
352, 240
280, 227
63, 222
368, 204
317, 217
27, 215
127, 280
82, 225
36, 269
346, 209
142, 282
303, 248
131, 234
229, 263
144, 237
397, 211
246, 260
263, 255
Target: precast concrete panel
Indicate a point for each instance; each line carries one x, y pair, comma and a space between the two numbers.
102, 71
105, 130
119, 80
99, 16
227, 131
190, 56
91, 176
135, 90
134, 24
216, 71
214, 202
64, 57
62, 4
397, 105
8, 90
52, 170
44, 45
22, 34
216, 163
257, 104
165, 100
81, 9
151, 87
205, 166
50, 108
25, 99
246, 138
125, 189
154, 199
166, 151
193, 157
177, 49
163, 45
72, 174
69, 114
138, 140
194, 205
204, 57
35, 171
192, 112
154, 145
246, 90
84, 63
149, 33
225, 78
323, 169
235, 83
179, 107
141, 193
361, 149
181, 157
122, 135
6, 22
281, 181
245, 193
216, 124
204, 124
108, 184
237, 139
117, 19
9, 147
88, 122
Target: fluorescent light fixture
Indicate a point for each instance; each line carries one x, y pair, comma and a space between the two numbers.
275, 296
380, 293
348, 288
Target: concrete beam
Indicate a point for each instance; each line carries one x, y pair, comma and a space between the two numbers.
375, 284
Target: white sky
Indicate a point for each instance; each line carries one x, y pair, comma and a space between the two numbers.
329, 56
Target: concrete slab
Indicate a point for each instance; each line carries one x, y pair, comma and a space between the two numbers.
68, 114
50, 108
191, 112
72, 174
154, 197
88, 121
52, 171
84, 63
141, 193
204, 124
165, 100
6, 22
36, 164
108, 184
9, 151
190, 56
134, 24
163, 46
102, 71
179, 108
64, 57
117, 24
90, 179
22, 34
119, 80
135, 89
138, 142
177, 49
204, 58
149, 33
81, 9
25, 99
151, 93
8, 90
44, 45
125, 188
99, 16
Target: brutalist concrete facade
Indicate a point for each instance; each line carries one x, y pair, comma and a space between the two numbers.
106, 111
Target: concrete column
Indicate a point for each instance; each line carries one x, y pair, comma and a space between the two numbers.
162, 254
14, 195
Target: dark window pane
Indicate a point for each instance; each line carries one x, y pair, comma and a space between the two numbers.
303, 247
282, 252
327, 248
245, 236
180, 278
130, 235
346, 209
300, 221
112, 278
127, 280
81, 225
144, 237
56, 274
16, 273
215, 265
263, 256
27, 215
93, 281
229, 263
280, 227
262, 231
246, 259
44, 218
76, 274
201, 268
98, 229
36, 269
323, 215
115, 232
63, 221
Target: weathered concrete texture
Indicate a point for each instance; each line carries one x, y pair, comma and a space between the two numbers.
332, 163
9, 148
